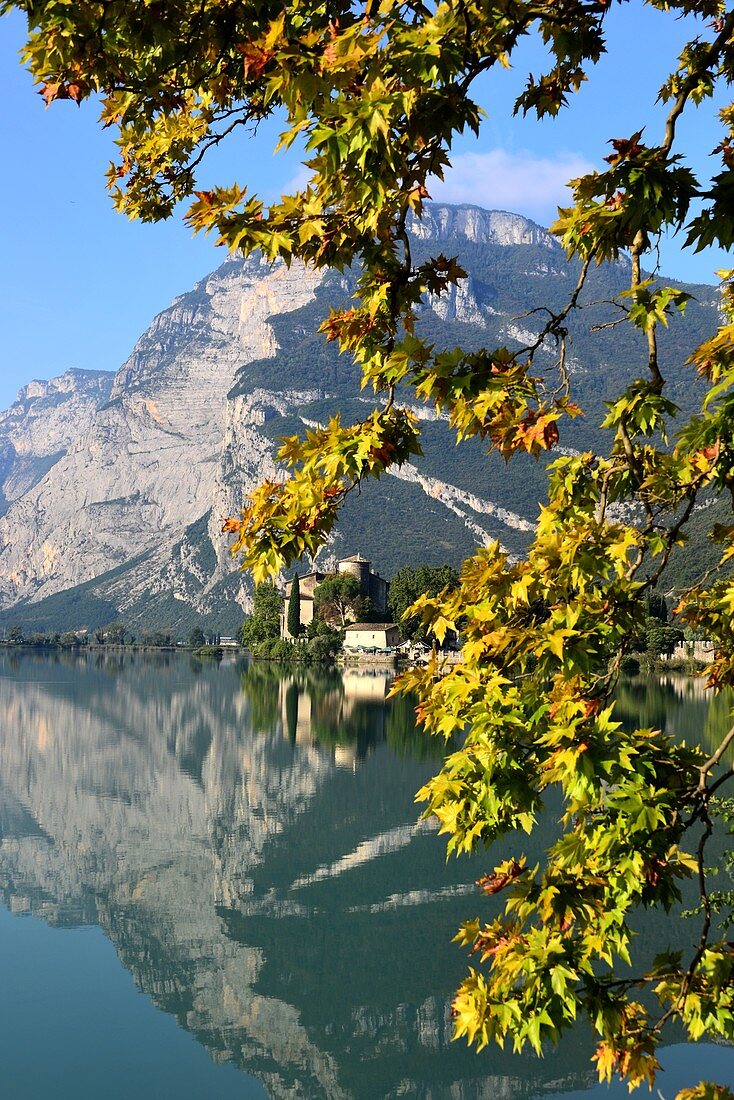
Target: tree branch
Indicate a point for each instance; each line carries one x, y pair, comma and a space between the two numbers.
711, 56
714, 760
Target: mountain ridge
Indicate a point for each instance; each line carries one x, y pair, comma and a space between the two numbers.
126, 515
41, 424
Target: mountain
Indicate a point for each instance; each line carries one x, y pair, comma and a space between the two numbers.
42, 423
116, 510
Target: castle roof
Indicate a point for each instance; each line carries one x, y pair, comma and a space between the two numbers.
370, 626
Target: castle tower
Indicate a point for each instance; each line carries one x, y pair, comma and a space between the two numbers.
370, 584
359, 567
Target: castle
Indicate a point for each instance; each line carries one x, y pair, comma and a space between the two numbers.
371, 585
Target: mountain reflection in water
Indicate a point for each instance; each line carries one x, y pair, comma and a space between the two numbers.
247, 839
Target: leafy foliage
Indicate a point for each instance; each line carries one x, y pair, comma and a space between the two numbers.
324, 646
116, 633
408, 585
338, 599
377, 92
263, 625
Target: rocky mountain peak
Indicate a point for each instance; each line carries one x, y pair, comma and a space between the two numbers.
48, 414
147, 463
216, 320
444, 222
42, 423
73, 381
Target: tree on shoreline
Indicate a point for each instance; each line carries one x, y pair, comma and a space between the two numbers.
378, 91
116, 633
263, 625
408, 585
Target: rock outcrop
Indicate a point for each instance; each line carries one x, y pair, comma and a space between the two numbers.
42, 423
448, 222
149, 463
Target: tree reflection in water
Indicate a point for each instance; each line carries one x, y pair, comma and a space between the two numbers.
679, 705
328, 708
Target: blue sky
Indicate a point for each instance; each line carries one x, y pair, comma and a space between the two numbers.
80, 282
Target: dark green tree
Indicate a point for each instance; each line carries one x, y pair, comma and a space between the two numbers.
115, 633
657, 636
264, 623
657, 607
661, 638
294, 608
196, 638
408, 585
365, 611
15, 635
335, 599
323, 648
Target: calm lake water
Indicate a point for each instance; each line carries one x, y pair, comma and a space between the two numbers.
214, 884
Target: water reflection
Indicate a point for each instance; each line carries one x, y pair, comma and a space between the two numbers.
348, 711
678, 705
247, 839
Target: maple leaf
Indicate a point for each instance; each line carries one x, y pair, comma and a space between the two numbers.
499, 878
255, 59
624, 148
50, 92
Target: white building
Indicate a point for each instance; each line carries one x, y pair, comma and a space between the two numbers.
371, 636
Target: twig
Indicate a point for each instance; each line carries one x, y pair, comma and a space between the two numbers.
607, 324
714, 760
554, 325
711, 55
721, 780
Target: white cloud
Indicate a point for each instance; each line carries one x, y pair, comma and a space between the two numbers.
520, 182
297, 181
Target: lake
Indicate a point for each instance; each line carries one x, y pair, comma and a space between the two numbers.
214, 883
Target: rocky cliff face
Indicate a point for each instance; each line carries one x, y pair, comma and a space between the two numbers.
149, 463
41, 424
472, 223
115, 489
